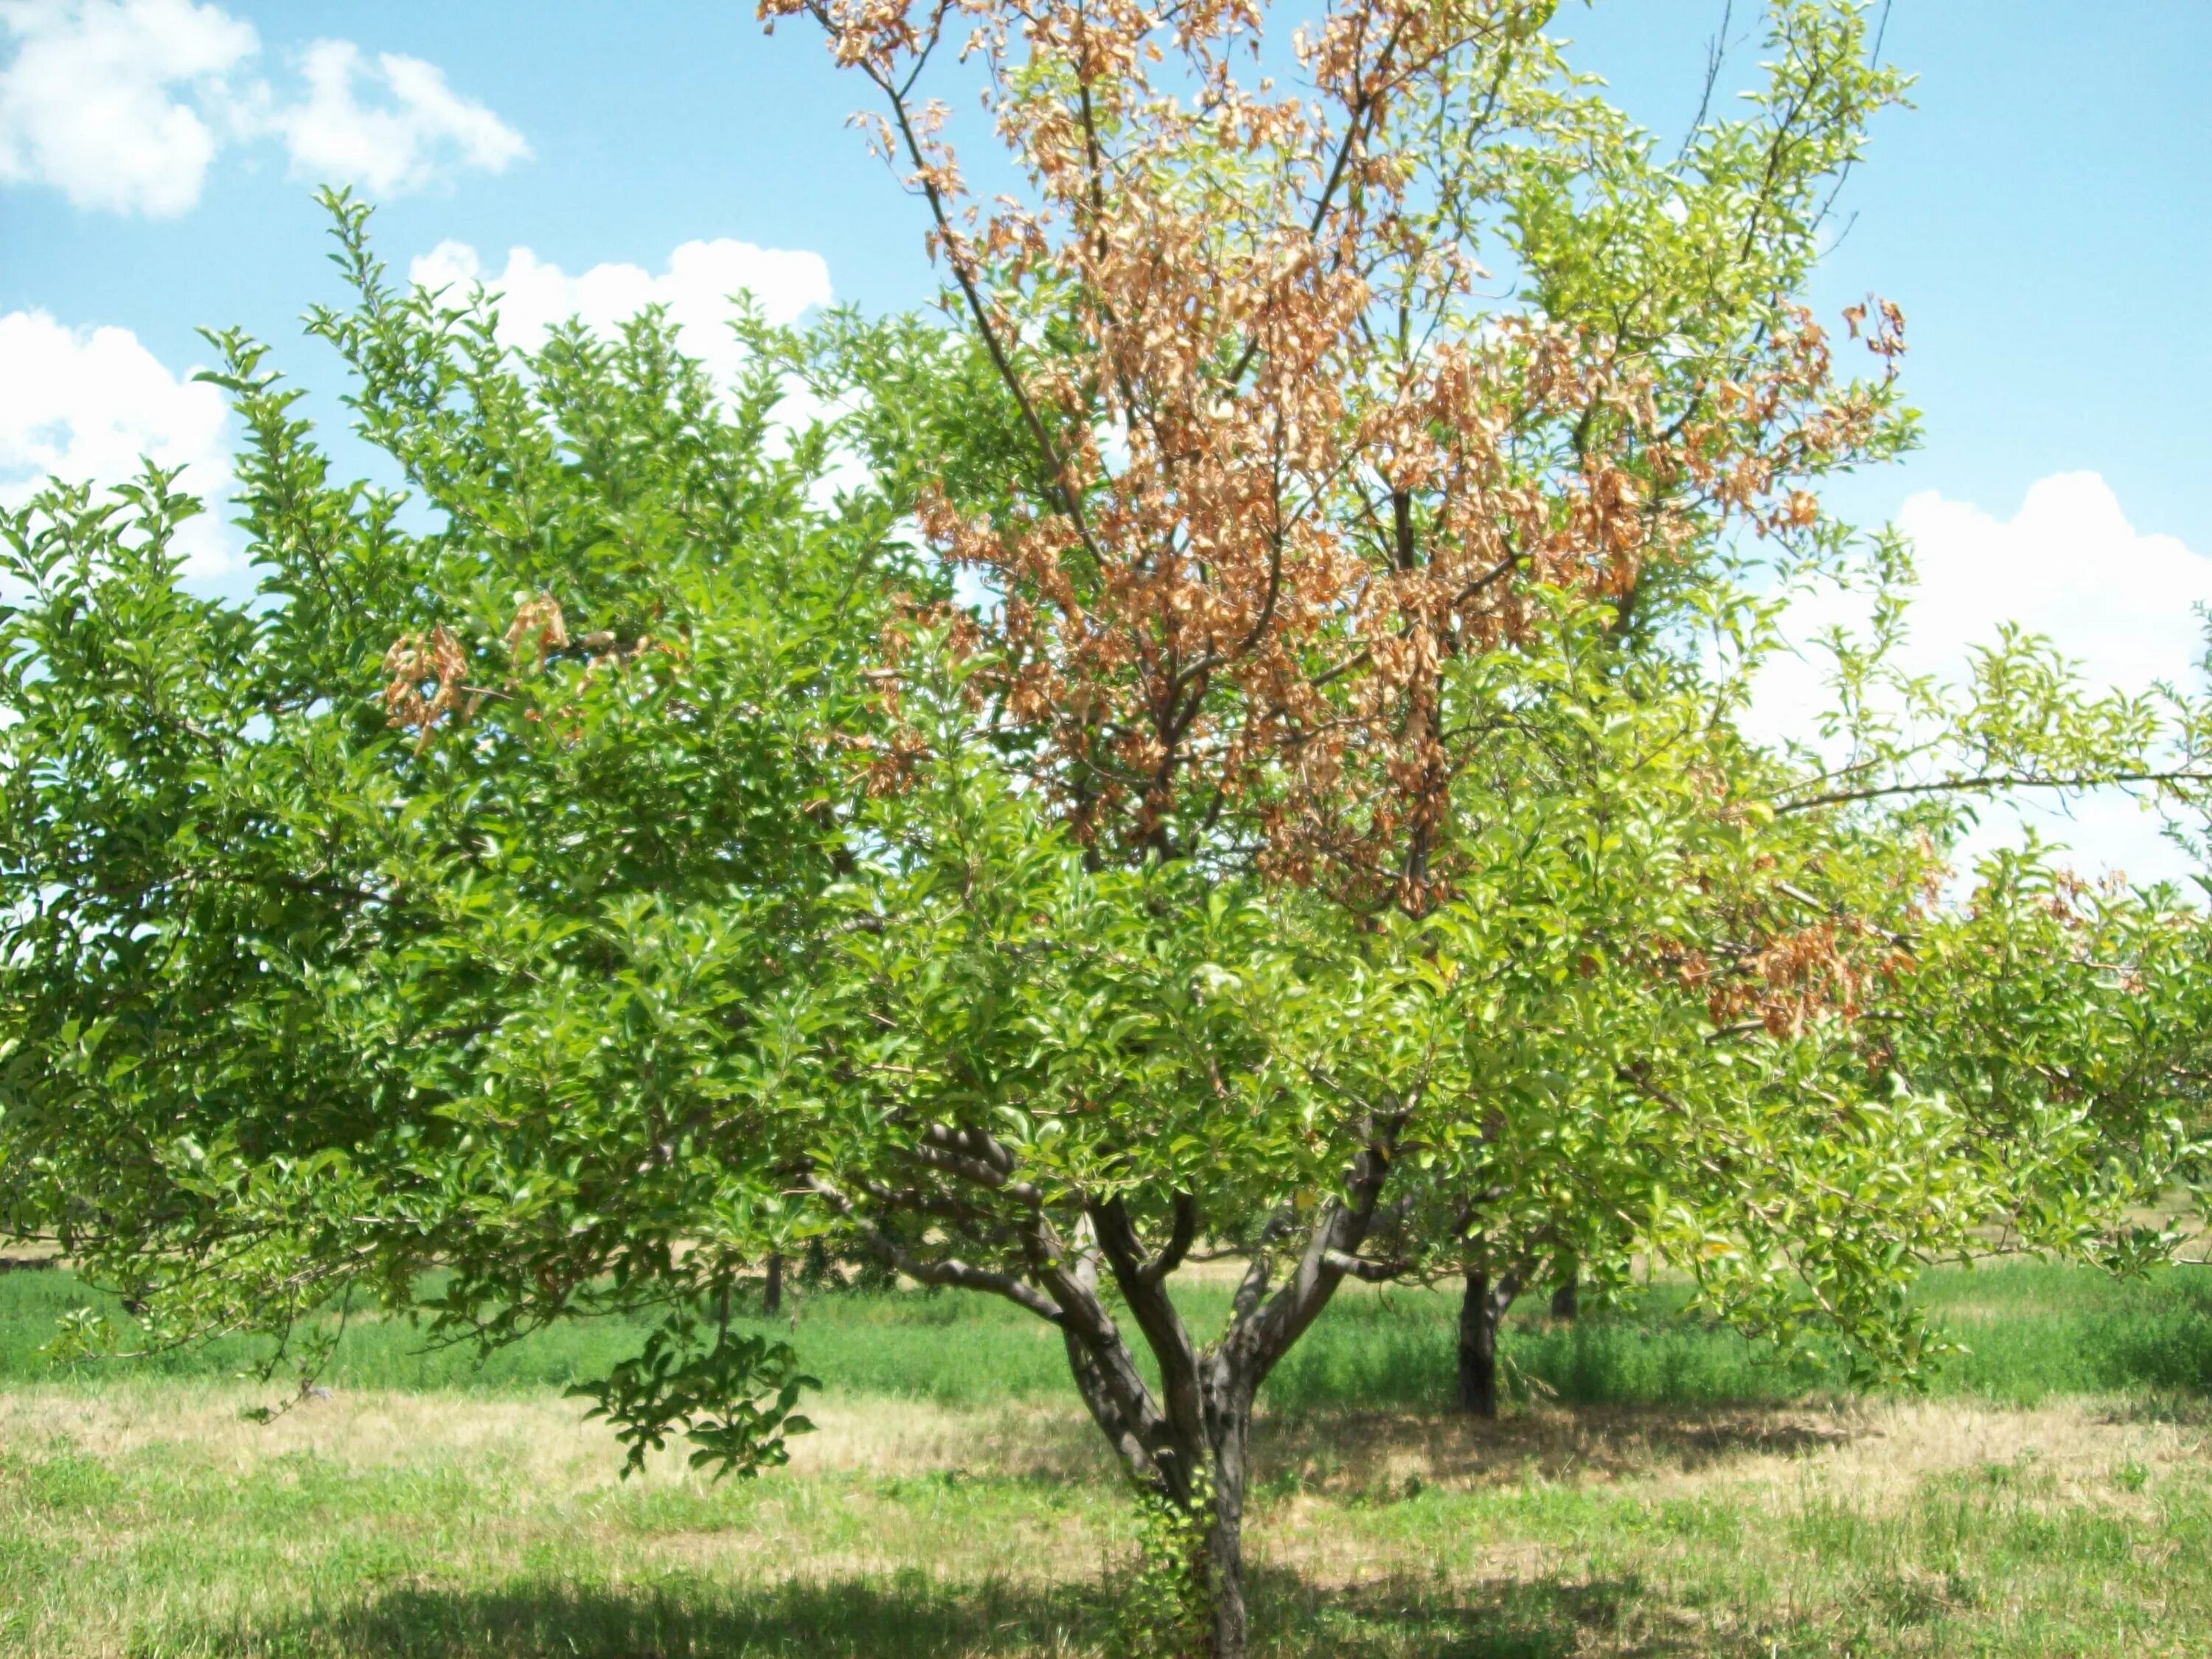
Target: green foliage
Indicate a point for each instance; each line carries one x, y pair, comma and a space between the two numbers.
616, 860
1162, 1609
711, 1389
1668, 991
444, 908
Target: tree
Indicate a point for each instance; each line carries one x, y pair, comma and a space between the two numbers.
1331, 840
1331, 844
447, 906
2060, 1024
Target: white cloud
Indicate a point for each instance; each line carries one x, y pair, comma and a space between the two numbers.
2068, 565
2122, 605
86, 404
123, 104
533, 294
105, 99
424, 128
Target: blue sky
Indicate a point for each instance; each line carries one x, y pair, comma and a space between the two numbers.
2044, 216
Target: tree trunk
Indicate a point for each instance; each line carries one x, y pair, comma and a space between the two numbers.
1481, 1311
1566, 1295
772, 1292
1187, 1442
1197, 1464
1225, 1540
1183, 1435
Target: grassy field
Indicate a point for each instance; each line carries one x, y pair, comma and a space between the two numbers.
1660, 1487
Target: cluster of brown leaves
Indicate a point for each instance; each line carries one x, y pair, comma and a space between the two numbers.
1792, 977
1294, 471
890, 764
424, 676
538, 627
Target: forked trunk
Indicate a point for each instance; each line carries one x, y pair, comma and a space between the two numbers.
1191, 1449
1481, 1310
1188, 1441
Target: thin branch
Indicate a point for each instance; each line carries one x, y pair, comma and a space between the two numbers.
1716, 54
1182, 1231
956, 256
950, 1270
1362, 109
1989, 783
1370, 1273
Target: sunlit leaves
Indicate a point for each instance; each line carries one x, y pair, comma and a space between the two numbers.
448, 909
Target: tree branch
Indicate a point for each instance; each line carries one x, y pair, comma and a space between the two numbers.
1182, 1231
1990, 783
948, 1270
1262, 1335
1000, 360
1371, 1272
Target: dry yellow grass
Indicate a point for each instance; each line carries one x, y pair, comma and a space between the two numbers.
1878, 1457
1879, 1453
1613, 1531
543, 1439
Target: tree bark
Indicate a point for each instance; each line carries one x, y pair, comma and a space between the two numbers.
1229, 1420
1191, 1447
1481, 1311
1192, 1454
772, 1292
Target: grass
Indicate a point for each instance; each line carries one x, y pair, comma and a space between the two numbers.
1662, 1488
2029, 1333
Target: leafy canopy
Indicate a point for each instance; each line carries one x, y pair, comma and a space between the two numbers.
1332, 840
447, 907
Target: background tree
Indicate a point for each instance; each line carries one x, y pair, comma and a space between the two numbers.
444, 906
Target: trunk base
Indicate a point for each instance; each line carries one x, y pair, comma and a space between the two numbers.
1481, 1310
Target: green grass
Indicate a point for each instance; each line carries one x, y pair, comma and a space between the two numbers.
1667, 1489
2029, 1332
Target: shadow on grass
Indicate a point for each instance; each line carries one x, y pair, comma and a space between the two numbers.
2169, 1408
1377, 1453
910, 1616
906, 1616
